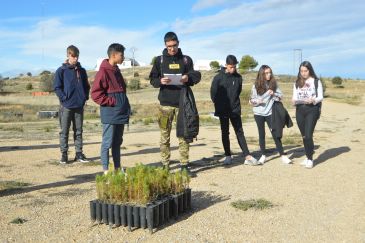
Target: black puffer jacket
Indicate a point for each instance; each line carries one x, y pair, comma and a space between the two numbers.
187, 125
169, 95
225, 93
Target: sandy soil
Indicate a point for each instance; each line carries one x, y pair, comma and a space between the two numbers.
323, 204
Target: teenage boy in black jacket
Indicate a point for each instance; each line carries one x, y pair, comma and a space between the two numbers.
172, 61
225, 94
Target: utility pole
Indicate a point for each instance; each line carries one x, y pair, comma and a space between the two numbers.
133, 50
42, 32
297, 56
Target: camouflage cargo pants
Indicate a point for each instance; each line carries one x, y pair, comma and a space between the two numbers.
166, 116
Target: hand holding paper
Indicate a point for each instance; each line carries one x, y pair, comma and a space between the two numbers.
175, 78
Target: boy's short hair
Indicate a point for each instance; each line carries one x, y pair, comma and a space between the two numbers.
115, 47
73, 50
231, 60
170, 36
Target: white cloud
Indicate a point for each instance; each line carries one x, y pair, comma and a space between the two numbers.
203, 4
328, 32
47, 40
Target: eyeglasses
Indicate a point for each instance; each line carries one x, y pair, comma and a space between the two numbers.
173, 46
267, 72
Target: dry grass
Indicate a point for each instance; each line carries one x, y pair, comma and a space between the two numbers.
22, 106
12, 185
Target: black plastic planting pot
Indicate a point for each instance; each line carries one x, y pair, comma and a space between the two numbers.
149, 216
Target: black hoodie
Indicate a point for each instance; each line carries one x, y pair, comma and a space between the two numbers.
225, 93
169, 95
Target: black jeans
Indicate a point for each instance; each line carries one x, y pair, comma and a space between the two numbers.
307, 116
260, 122
237, 126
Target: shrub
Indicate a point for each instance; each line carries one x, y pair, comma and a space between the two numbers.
214, 65
45, 72
259, 204
140, 185
148, 120
134, 84
46, 83
29, 74
247, 63
337, 81
136, 74
29, 86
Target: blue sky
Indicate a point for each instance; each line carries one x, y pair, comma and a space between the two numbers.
330, 33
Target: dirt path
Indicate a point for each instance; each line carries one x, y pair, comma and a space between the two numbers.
324, 204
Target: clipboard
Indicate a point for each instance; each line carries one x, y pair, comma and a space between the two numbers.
175, 78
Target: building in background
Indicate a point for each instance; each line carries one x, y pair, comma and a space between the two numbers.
127, 63
205, 64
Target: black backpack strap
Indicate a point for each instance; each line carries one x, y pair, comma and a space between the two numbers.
316, 86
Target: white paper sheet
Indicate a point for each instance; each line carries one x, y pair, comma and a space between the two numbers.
175, 78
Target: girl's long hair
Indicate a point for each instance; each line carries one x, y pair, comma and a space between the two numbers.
300, 80
261, 82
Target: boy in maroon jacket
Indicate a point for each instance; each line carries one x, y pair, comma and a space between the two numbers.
109, 91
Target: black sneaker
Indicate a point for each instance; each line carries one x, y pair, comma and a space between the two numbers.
64, 158
80, 157
186, 167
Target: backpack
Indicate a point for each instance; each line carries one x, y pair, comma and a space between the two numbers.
185, 58
320, 103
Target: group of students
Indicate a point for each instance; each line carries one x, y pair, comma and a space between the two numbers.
110, 92
266, 99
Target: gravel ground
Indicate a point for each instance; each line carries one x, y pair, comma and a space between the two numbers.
324, 204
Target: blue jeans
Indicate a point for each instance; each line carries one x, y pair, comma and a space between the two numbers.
112, 138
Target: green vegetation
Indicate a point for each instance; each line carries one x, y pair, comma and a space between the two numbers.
214, 65
12, 185
140, 185
46, 84
247, 63
258, 204
134, 84
18, 221
148, 120
337, 81
29, 86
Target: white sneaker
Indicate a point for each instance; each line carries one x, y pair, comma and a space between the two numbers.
285, 159
262, 160
251, 161
304, 162
309, 164
227, 160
